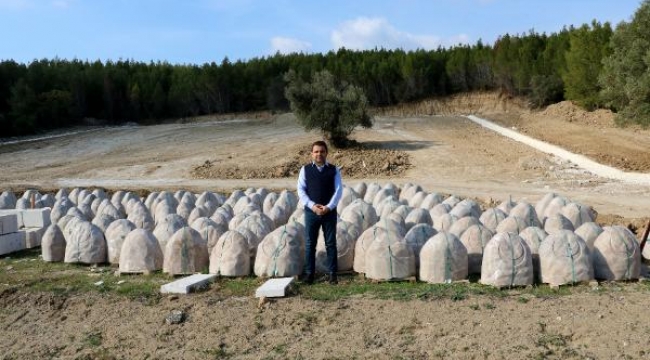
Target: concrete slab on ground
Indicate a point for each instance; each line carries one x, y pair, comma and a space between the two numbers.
274, 287
187, 284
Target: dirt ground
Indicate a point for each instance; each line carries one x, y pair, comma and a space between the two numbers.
358, 162
593, 134
585, 325
423, 144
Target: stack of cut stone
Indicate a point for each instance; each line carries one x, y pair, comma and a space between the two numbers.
22, 228
10, 239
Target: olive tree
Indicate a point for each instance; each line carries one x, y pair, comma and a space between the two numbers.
328, 104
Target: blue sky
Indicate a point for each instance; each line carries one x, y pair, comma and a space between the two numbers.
198, 31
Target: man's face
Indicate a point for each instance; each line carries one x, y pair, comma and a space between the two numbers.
318, 154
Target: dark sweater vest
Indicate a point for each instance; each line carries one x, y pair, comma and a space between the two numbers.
320, 184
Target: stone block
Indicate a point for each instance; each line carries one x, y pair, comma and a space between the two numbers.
187, 284
8, 224
33, 237
30, 218
11, 243
274, 287
37, 218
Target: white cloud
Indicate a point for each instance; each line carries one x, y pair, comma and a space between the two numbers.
286, 45
455, 40
61, 4
15, 4
368, 33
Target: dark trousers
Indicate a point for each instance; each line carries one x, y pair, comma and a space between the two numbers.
313, 223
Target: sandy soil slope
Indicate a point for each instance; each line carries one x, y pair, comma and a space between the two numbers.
593, 134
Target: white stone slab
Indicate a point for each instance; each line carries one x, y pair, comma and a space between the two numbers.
16, 212
30, 218
37, 218
11, 242
187, 284
33, 236
8, 224
274, 287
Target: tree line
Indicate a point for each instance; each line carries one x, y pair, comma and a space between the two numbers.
594, 65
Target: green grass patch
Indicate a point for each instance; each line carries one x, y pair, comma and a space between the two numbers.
217, 353
280, 349
355, 286
644, 285
25, 270
551, 340
546, 292
94, 339
238, 286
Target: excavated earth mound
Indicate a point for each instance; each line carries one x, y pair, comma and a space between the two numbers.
361, 161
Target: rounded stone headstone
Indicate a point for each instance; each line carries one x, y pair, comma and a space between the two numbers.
140, 253
53, 244
230, 255
85, 244
616, 255
115, 234
185, 253
564, 259
507, 261
475, 238
443, 259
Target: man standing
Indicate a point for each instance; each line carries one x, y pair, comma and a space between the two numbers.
319, 190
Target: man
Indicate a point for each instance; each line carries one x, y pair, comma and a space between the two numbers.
319, 190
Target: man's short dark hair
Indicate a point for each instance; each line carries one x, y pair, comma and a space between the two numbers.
319, 143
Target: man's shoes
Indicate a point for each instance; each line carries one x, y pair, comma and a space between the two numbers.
307, 279
333, 279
